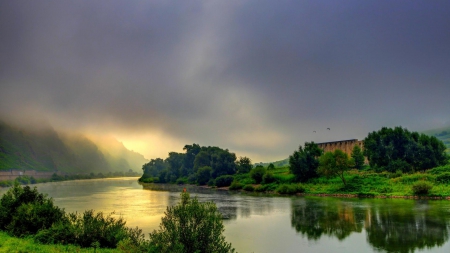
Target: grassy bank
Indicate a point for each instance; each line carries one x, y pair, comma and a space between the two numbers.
362, 183
13, 244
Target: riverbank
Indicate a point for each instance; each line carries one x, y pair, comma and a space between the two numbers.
432, 184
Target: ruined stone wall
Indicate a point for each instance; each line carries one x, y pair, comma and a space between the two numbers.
345, 145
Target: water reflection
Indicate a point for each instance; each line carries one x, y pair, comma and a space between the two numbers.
391, 225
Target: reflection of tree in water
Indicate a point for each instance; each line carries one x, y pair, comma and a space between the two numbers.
403, 227
391, 225
313, 218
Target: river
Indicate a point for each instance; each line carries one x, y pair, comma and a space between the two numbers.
261, 223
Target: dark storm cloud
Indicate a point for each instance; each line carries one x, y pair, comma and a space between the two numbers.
257, 77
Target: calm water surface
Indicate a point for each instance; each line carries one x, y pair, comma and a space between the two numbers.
275, 224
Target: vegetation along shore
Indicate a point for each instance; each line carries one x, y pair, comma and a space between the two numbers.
393, 162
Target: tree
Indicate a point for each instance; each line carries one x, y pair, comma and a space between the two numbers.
244, 165
190, 226
257, 173
389, 147
304, 162
334, 164
271, 167
203, 175
358, 157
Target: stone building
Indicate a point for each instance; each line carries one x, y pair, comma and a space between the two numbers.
345, 145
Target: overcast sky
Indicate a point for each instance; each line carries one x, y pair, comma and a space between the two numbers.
256, 77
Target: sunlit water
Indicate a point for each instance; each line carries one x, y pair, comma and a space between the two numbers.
274, 224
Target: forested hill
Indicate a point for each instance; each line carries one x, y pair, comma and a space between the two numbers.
44, 149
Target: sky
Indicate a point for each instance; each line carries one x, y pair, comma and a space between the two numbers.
255, 77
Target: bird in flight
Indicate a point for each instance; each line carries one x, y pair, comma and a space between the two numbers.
314, 131
328, 128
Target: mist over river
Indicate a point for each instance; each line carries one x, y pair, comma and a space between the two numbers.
262, 223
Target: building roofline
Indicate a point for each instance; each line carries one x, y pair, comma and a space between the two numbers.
336, 141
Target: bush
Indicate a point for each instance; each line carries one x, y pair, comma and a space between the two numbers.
203, 175
24, 211
182, 180
225, 180
268, 178
290, 189
421, 187
257, 173
89, 229
248, 188
236, 186
440, 169
190, 226
443, 178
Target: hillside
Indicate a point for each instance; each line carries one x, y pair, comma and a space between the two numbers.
44, 149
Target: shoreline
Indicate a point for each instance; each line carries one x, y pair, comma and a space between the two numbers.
335, 195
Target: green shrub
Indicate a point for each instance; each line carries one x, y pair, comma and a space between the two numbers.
440, 169
190, 226
284, 178
204, 175
290, 189
443, 178
248, 188
224, 180
90, 229
268, 178
421, 187
24, 211
257, 173
236, 186
182, 180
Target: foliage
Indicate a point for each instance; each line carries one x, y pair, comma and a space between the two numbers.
334, 164
268, 178
358, 157
271, 167
440, 169
225, 180
190, 226
304, 162
248, 188
257, 173
443, 178
422, 187
236, 186
290, 189
24, 211
90, 229
244, 165
203, 175
388, 145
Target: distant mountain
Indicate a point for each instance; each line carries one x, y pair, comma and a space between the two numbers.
44, 149
280, 163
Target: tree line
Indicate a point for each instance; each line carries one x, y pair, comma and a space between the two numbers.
198, 164
388, 149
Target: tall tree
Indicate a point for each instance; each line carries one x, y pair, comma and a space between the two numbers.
335, 164
358, 157
304, 162
244, 165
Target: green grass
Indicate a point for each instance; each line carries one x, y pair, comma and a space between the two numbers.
363, 183
13, 244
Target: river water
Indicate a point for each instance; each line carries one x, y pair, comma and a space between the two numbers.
261, 223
